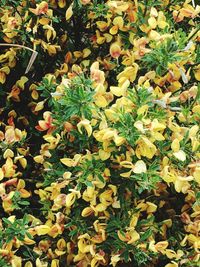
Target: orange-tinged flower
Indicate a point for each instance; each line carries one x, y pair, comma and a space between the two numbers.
40, 9
97, 75
115, 50
3, 72
85, 2
46, 124
55, 230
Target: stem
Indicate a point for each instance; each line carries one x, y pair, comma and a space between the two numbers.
190, 37
146, 4
33, 56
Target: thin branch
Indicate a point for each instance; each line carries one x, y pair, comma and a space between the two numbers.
33, 56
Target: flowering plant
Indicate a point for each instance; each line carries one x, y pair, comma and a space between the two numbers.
99, 133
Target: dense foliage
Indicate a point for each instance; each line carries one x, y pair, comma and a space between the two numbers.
99, 133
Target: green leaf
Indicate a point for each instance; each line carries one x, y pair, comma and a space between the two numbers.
146, 235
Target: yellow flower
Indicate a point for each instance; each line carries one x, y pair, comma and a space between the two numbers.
71, 162
161, 246
181, 184
16, 261
86, 124
120, 90
52, 140
8, 168
55, 230
134, 236
145, 148
129, 73
151, 207
168, 175
175, 145
115, 259
42, 229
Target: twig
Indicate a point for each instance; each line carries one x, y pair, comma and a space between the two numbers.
33, 56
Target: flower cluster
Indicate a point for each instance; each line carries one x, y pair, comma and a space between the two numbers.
99, 133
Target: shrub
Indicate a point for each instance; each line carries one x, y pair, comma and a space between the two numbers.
99, 117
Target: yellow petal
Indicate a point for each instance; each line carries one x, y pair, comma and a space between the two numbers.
118, 21
170, 253
1, 174
61, 3
101, 101
28, 241
152, 22
70, 199
86, 124
87, 212
126, 174
140, 167
55, 263
134, 237
67, 161
193, 131
20, 83
196, 175
69, 12
100, 207
104, 155
175, 146
115, 50
114, 30
8, 153
161, 246
158, 136
42, 229
197, 73
142, 110
172, 264
28, 264
39, 159
23, 162
180, 155
117, 91
151, 207
39, 106
126, 164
